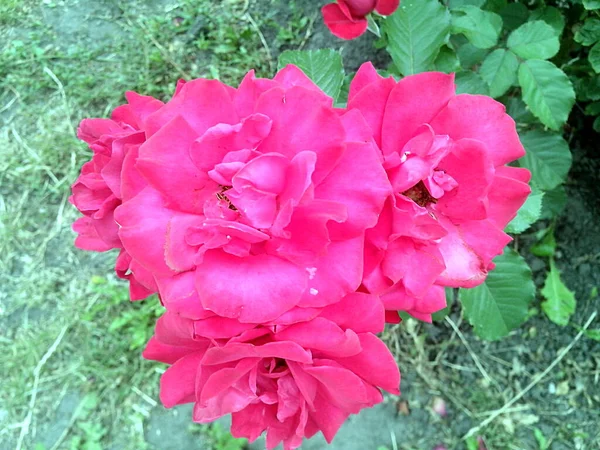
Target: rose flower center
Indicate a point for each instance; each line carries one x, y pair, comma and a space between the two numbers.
222, 197
419, 194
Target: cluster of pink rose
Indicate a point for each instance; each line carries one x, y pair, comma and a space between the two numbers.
281, 233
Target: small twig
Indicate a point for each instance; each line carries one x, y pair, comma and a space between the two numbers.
535, 381
309, 30
557, 413
29, 150
145, 396
9, 104
457, 367
475, 358
262, 40
515, 409
63, 94
36, 381
499, 360
69, 426
394, 440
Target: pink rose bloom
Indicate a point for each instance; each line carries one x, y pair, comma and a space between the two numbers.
288, 380
101, 187
445, 156
347, 19
258, 198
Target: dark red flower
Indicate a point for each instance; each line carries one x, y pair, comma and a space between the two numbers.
347, 19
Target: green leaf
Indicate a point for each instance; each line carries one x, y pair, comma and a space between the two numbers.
514, 15
592, 334
589, 33
440, 315
372, 26
499, 70
482, 28
588, 88
447, 61
554, 202
547, 157
547, 91
594, 57
528, 214
342, 98
470, 83
591, 4
495, 5
517, 109
560, 301
324, 67
545, 247
541, 439
501, 303
472, 443
458, 3
469, 55
552, 16
416, 32
592, 109
534, 40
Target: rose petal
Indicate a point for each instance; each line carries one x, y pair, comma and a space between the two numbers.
140, 217
195, 103
334, 275
172, 172
179, 295
387, 7
321, 335
214, 145
302, 121
238, 287
177, 383
414, 101
340, 22
358, 311
87, 236
360, 183
508, 192
236, 351
484, 119
470, 166
375, 354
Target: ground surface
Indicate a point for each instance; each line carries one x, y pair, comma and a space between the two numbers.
70, 343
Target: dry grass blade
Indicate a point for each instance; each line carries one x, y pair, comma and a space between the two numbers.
262, 40
474, 356
535, 381
36, 380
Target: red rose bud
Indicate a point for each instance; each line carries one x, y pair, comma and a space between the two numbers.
347, 19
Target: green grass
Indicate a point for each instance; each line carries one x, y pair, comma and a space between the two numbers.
69, 338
